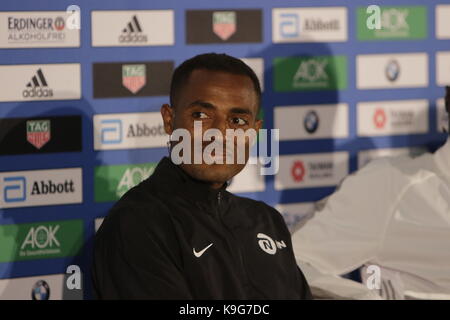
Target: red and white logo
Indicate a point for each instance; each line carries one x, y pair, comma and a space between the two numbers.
224, 24
298, 171
379, 118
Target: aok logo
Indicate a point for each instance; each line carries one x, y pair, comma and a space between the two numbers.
132, 177
133, 32
394, 19
37, 87
311, 71
268, 245
41, 237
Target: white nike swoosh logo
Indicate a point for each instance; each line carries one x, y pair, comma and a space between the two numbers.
200, 253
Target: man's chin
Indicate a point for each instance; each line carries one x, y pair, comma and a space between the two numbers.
212, 173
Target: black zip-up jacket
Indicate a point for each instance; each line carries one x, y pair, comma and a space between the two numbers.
173, 237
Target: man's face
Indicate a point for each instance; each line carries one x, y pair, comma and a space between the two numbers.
222, 101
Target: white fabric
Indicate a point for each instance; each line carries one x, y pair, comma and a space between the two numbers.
394, 213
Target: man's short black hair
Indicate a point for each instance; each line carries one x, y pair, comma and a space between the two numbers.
213, 62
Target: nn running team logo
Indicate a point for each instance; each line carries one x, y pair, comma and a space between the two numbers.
133, 32
37, 87
38, 132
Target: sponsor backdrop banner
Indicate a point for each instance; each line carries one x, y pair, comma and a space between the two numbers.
82, 83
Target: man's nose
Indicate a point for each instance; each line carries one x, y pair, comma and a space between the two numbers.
221, 124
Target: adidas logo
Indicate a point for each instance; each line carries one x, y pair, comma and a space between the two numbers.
133, 32
37, 87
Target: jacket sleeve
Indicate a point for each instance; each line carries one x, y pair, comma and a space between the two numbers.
135, 259
349, 230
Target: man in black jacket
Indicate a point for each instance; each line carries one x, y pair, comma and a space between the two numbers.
179, 234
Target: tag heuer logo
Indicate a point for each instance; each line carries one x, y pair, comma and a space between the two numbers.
224, 24
38, 132
392, 70
134, 77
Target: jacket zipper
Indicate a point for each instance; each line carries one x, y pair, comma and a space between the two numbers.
241, 260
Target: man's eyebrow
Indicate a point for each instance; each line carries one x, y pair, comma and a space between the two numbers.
241, 111
203, 104
208, 105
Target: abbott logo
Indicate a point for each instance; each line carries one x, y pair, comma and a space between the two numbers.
15, 189
111, 131
41, 187
289, 25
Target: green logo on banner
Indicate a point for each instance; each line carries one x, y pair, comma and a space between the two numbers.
406, 22
310, 73
42, 240
112, 182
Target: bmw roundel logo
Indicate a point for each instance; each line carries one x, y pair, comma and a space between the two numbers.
311, 122
40, 291
392, 70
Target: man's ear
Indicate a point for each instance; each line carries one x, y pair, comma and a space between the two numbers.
167, 114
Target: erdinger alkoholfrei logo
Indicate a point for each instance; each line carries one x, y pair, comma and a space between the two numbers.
392, 70
38, 132
379, 118
40, 291
134, 77
298, 171
224, 24
44, 29
37, 87
311, 122
133, 32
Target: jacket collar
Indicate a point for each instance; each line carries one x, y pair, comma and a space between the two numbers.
442, 159
174, 180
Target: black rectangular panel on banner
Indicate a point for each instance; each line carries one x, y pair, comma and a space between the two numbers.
132, 79
224, 26
40, 135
